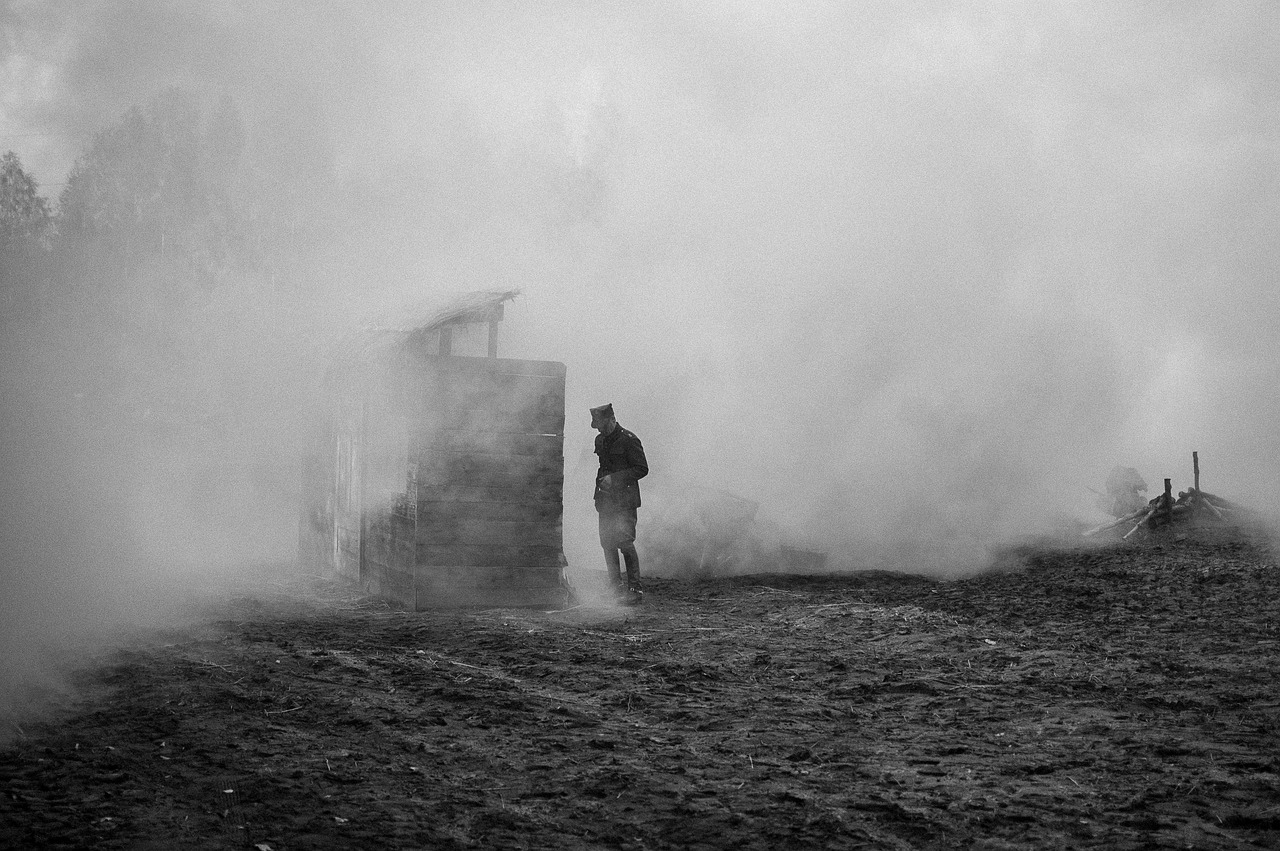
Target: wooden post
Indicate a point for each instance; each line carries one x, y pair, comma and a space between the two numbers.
1168, 500
1145, 518
1195, 465
495, 316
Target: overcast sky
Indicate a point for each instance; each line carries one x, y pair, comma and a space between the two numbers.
899, 271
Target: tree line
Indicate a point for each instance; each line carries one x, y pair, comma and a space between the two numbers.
165, 191
145, 292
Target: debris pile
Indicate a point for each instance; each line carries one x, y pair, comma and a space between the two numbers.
1192, 507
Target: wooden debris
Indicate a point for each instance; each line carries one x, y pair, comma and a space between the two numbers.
1192, 506
1139, 524
1111, 524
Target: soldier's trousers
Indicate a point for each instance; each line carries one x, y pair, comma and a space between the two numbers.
618, 535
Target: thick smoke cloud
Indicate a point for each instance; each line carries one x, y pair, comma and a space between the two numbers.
912, 278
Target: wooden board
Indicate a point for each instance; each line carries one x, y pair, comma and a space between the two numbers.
540, 492
483, 467
515, 479
490, 389
494, 587
431, 557
452, 511
389, 583
487, 395
390, 546
347, 552
487, 532
510, 443
542, 418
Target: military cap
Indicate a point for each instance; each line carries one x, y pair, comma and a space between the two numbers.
602, 413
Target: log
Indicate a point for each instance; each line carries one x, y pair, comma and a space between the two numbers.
1222, 503
1113, 523
1213, 508
1150, 513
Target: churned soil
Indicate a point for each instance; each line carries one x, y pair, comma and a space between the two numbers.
1118, 696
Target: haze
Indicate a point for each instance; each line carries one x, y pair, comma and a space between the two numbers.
914, 277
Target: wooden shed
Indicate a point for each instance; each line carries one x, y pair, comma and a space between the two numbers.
438, 479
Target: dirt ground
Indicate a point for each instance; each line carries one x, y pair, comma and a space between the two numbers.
1119, 696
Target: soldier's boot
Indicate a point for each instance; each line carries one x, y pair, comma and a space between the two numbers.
617, 588
635, 594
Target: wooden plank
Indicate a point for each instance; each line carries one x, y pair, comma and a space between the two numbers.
480, 387
457, 466
543, 590
453, 511
475, 576
480, 577
478, 555
549, 445
539, 492
348, 553
390, 583
490, 476
418, 378
390, 541
443, 533
482, 390
548, 419
502, 407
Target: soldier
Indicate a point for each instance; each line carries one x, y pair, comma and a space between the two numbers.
1124, 492
617, 496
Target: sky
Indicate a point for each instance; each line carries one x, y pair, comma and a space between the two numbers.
912, 276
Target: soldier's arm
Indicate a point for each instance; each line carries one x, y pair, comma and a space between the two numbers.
637, 465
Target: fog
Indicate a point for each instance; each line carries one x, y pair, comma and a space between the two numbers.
912, 278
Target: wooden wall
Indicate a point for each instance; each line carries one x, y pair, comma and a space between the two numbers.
439, 481
490, 473
330, 536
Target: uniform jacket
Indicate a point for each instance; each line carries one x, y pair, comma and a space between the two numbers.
621, 456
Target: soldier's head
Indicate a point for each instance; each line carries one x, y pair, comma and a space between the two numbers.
602, 419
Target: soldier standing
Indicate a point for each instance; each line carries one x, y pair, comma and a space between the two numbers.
617, 496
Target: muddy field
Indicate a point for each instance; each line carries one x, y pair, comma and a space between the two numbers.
1116, 697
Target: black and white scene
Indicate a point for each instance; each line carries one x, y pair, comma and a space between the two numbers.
667, 424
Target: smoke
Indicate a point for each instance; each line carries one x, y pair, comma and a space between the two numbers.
911, 279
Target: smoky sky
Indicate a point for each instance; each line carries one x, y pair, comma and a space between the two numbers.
903, 273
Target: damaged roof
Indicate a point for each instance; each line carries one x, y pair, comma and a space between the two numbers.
389, 328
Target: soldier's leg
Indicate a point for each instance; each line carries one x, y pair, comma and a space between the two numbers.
632, 559
627, 545
609, 543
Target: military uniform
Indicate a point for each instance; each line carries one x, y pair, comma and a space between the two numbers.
622, 459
